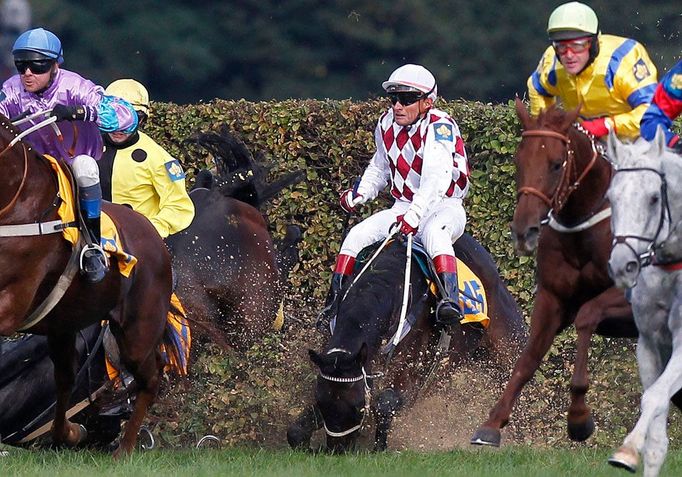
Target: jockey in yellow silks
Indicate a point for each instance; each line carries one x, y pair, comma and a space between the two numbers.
610, 77
136, 171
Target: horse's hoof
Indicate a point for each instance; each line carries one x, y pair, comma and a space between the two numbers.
625, 458
486, 436
581, 431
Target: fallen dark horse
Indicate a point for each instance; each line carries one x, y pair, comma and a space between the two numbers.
231, 273
25, 367
346, 390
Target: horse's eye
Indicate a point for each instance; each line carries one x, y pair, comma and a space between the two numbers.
654, 200
556, 165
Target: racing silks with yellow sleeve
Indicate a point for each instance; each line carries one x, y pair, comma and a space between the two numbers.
140, 173
619, 85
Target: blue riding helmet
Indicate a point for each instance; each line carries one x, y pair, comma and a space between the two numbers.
38, 44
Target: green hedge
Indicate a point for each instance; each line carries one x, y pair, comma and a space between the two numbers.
333, 142
238, 398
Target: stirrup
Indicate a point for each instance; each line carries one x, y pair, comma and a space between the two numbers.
448, 322
93, 263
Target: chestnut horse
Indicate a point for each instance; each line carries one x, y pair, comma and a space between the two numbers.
369, 315
562, 178
33, 263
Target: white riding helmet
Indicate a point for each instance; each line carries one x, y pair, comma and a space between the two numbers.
412, 78
572, 20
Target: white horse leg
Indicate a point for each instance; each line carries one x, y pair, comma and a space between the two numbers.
649, 363
656, 444
650, 431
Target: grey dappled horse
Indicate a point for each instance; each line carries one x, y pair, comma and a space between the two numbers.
646, 198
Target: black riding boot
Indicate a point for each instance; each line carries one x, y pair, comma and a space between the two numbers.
330, 305
448, 312
93, 260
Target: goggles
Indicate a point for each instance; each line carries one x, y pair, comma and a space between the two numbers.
37, 67
406, 98
576, 46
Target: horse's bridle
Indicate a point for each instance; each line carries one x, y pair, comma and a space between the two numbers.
645, 258
368, 398
566, 184
12, 202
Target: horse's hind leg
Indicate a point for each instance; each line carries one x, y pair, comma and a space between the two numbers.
138, 343
609, 305
62, 349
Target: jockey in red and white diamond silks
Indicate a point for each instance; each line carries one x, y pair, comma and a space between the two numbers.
420, 155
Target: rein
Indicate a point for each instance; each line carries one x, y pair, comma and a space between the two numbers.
567, 185
36, 228
646, 258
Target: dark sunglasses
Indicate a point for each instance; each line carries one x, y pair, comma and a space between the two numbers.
406, 98
37, 66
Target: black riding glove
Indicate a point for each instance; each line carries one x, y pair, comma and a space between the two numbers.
69, 113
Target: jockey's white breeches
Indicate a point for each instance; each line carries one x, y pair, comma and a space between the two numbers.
85, 170
440, 227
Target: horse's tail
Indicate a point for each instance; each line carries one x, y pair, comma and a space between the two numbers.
176, 340
287, 251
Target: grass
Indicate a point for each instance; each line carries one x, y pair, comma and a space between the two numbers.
510, 461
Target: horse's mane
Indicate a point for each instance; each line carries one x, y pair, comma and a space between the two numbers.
240, 175
552, 117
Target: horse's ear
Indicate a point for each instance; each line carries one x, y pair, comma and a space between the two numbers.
362, 355
315, 358
659, 141
612, 146
522, 113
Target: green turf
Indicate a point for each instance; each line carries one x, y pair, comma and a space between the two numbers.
511, 461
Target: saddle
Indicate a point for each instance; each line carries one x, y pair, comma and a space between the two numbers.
472, 294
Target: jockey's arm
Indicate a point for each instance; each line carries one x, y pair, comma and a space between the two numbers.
176, 210
540, 92
377, 174
635, 82
665, 107
110, 113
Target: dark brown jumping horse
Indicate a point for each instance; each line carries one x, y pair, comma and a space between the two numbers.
367, 317
560, 171
31, 265
231, 273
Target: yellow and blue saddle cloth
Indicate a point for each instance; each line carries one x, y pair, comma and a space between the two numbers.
177, 326
472, 296
111, 242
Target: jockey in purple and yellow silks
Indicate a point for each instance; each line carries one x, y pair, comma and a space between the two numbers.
82, 111
666, 106
420, 155
611, 78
